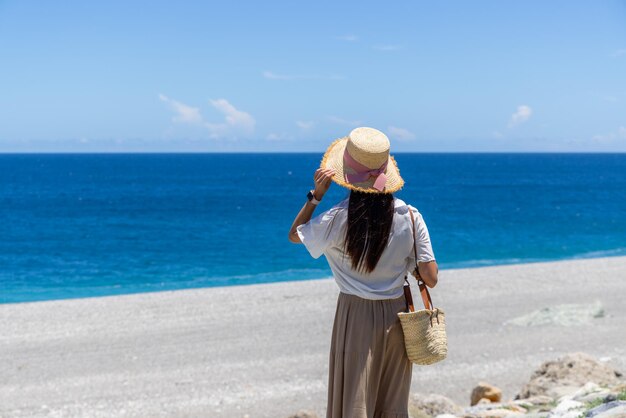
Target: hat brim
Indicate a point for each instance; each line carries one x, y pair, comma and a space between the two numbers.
333, 158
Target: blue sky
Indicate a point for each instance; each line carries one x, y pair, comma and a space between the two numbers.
292, 76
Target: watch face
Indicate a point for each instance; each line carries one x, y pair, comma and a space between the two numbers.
309, 195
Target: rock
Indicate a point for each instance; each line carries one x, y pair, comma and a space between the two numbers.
615, 409
575, 413
481, 407
566, 374
588, 387
485, 390
523, 403
591, 397
495, 410
568, 405
515, 408
499, 413
539, 400
565, 315
482, 401
619, 388
304, 414
446, 416
617, 412
432, 405
589, 393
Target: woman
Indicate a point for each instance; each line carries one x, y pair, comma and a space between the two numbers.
368, 241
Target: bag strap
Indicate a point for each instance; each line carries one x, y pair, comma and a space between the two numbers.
422, 286
408, 297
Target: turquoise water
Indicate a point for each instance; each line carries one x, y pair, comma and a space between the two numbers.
75, 225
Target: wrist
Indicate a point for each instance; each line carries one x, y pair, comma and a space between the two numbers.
312, 198
317, 194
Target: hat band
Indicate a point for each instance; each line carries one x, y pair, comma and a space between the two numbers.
363, 173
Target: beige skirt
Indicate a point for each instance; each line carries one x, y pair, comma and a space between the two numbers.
369, 374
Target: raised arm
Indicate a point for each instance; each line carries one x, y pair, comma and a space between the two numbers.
322, 179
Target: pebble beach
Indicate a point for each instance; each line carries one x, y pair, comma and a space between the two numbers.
261, 350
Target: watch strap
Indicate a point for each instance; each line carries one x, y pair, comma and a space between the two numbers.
312, 198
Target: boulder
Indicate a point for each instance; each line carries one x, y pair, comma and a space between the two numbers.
615, 409
590, 392
567, 374
432, 405
485, 390
538, 400
537, 415
523, 403
496, 410
594, 396
568, 405
515, 408
499, 413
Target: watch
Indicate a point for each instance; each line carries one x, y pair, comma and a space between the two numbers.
312, 198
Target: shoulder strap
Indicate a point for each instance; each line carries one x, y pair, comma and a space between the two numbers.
428, 302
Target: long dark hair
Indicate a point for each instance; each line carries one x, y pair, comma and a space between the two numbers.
370, 216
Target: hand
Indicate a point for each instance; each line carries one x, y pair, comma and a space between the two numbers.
322, 179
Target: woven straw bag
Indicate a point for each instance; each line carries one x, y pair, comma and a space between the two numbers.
424, 331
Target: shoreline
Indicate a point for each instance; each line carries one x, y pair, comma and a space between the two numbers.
584, 256
261, 349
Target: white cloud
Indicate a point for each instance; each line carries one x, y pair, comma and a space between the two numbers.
341, 121
348, 38
236, 122
183, 112
273, 76
305, 126
279, 137
618, 53
400, 133
383, 47
522, 114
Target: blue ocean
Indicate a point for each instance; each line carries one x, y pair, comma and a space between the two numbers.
76, 225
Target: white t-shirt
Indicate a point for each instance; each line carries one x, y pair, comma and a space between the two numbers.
322, 236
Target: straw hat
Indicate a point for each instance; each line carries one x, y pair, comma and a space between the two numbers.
362, 162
